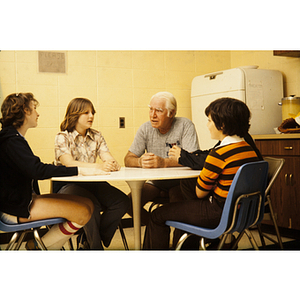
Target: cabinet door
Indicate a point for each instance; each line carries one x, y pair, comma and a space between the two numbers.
289, 147
284, 194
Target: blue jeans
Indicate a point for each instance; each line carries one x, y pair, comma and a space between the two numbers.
110, 205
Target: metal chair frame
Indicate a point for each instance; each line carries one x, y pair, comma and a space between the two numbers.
225, 234
21, 230
275, 167
243, 208
123, 236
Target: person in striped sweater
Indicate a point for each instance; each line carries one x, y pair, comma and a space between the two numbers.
228, 122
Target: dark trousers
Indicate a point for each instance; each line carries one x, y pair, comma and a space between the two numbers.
110, 206
157, 191
191, 210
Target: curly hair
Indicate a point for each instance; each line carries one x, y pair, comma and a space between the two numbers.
76, 107
230, 115
13, 109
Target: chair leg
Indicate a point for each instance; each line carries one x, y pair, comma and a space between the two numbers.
39, 240
275, 225
123, 237
251, 239
182, 240
71, 244
22, 237
261, 235
12, 241
239, 237
273, 219
223, 239
202, 244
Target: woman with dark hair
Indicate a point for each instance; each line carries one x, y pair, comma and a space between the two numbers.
20, 199
79, 145
228, 122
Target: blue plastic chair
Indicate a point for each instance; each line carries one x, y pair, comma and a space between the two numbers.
20, 231
244, 207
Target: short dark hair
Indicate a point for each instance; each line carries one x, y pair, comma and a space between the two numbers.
230, 115
13, 109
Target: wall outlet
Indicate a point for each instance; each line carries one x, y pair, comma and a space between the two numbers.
122, 122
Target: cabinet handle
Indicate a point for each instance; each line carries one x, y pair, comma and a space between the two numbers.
288, 148
286, 179
291, 179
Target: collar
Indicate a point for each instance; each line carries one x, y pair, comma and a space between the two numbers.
171, 127
89, 134
230, 139
21, 135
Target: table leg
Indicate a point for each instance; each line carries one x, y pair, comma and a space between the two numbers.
136, 193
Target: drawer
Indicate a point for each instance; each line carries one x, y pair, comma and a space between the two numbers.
284, 147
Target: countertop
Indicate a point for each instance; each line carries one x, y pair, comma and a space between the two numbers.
281, 136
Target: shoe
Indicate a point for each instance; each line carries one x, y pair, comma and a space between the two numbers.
32, 245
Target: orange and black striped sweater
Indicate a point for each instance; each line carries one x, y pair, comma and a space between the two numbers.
220, 167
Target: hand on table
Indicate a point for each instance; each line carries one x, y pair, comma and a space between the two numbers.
111, 166
149, 160
175, 153
91, 171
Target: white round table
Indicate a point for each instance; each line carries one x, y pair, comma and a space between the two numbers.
135, 178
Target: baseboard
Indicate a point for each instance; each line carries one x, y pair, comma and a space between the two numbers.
284, 232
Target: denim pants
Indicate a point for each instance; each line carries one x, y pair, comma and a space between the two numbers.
110, 205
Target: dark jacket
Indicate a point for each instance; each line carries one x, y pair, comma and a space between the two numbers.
19, 171
196, 159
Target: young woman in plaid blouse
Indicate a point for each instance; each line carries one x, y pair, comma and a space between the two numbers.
79, 145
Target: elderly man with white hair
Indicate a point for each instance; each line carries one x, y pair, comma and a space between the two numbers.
153, 141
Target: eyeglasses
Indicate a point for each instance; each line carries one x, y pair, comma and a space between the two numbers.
157, 110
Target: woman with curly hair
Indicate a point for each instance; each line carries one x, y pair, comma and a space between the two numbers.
20, 199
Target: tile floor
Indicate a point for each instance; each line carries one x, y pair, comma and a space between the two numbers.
117, 243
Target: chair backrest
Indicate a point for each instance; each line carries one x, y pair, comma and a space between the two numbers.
275, 166
244, 205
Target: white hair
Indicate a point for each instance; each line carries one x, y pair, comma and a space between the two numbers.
171, 103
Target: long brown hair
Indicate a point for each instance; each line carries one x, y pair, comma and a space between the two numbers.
13, 109
76, 107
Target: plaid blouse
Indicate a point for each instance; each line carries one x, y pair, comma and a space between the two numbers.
85, 149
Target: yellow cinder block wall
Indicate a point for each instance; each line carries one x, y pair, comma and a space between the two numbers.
120, 84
